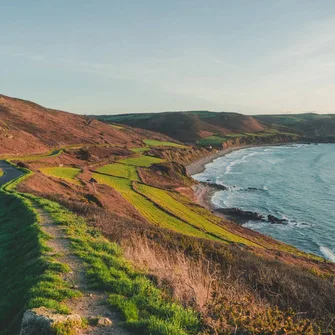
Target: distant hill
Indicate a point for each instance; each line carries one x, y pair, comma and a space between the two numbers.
26, 127
189, 126
211, 128
309, 125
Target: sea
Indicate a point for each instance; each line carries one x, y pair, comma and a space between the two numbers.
295, 183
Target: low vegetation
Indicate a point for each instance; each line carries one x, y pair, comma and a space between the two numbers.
140, 149
1, 173
148, 209
29, 276
155, 143
66, 173
211, 140
143, 161
144, 308
120, 170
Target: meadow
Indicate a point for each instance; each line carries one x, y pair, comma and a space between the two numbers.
147, 208
155, 143
143, 161
67, 173
120, 170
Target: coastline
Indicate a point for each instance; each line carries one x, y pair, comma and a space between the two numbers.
199, 165
203, 192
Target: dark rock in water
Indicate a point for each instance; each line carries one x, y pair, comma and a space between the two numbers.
208, 180
273, 219
240, 215
217, 186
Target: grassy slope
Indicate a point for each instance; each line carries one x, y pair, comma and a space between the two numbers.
144, 161
176, 208
28, 277
120, 170
66, 173
147, 208
155, 143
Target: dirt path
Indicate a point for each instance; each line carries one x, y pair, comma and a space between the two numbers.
92, 303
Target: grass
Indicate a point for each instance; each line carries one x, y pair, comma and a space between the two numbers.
178, 209
155, 143
212, 140
115, 126
29, 277
144, 308
36, 157
120, 170
143, 161
147, 208
66, 173
140, 149
1, 173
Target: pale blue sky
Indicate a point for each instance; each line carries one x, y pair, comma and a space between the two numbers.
112, 56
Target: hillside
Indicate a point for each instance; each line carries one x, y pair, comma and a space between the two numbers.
312, 126
26, 127
189, 126
109, 228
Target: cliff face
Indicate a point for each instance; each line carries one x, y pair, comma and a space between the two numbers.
259, 140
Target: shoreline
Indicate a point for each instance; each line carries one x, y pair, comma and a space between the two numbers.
203, 192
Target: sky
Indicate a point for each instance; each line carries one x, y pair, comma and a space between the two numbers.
122, 56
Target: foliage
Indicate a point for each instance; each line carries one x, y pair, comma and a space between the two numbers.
212, 140
29, 276
176, 208
144, 161
66, 173
148, 209
120, 170
144, 307
140, 149
155, 143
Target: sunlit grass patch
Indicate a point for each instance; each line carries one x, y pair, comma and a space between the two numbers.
178, 209
120, 170
143, 161
140, 149
1, 173
212, 140
147, 208
144, 308
66, 173
155, 143
116, 126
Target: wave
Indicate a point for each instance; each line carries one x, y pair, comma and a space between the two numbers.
329, 254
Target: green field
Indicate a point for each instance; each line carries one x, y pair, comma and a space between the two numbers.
115, 126
144, 161
66, 173
147, 208
155, 143
120, 170
140, 149
212, 140
176, 208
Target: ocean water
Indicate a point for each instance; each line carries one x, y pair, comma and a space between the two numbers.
293, 182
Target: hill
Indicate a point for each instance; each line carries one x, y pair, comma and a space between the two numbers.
189, 126
312, 126
205, 128
106, 236
26, 127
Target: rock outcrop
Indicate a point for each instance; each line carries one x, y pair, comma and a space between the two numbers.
44, 322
